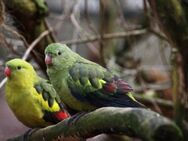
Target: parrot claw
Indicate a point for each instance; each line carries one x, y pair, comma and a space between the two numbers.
28, 133
75, 118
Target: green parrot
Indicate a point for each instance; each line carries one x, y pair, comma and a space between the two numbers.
84, 85
32, 99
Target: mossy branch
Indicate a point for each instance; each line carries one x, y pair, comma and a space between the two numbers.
134, 122
172, 20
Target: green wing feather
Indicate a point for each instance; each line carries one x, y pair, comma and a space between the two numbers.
91, 83
88, 77
48, 92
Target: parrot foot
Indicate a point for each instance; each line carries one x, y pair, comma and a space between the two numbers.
75, 118
28, 133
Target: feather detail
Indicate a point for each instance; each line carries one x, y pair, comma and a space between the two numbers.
45, 95
123, 87
55, 117
100, 92
117, 86
50, 102
94, 82
61, 115
83, 80
110, 87
38, 88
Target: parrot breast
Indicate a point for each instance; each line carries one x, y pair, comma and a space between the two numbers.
26, 108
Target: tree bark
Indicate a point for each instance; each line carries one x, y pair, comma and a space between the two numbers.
107, 25
30, 16
173, 20
134, 122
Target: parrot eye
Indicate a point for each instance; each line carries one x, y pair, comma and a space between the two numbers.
59, 53
19, 67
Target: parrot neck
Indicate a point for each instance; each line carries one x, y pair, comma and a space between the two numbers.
25, 81
55, 72
60, 67
58, 74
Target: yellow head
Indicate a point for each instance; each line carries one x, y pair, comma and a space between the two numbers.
20, 72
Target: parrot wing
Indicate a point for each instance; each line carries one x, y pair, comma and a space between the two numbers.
89, 82
49, 94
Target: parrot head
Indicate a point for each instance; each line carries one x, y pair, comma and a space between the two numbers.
19, 70
59, 56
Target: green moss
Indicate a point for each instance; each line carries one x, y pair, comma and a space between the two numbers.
26, 7
29, 8
173, 21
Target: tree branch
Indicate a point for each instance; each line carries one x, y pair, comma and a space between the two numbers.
106, 36
29, 49
161, 102
134, 122
173, 21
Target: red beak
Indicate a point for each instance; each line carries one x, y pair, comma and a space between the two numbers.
48, 60
7, 71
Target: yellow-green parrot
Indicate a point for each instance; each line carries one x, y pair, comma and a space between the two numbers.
84, 85
32, 99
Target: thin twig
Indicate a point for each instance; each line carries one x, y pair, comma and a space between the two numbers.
75, 14
106, 36
10, 46
30, 48
156, 87
80, 30
35, 42
161, 36
3, 82
120, 13
2, 11
85, 34
102, 27
158, 101
151, 22
52, 36
163, 57
16, 34
88, 20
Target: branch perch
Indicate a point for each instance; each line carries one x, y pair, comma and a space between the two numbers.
134, 122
